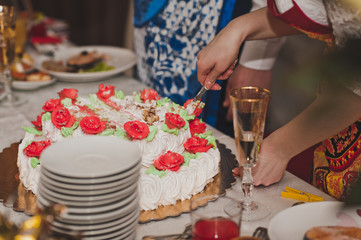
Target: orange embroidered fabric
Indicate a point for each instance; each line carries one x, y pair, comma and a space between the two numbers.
337, 162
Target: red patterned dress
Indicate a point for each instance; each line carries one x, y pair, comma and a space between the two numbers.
337, 161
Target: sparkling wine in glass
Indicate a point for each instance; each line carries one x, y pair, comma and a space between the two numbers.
249, 105
7, 51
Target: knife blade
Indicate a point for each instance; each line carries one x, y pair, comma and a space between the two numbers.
199, 95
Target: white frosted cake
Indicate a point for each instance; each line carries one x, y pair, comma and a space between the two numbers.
179, 156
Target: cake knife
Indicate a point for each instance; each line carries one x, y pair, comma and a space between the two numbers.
199, 95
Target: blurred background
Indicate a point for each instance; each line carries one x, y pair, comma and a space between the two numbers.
92, 22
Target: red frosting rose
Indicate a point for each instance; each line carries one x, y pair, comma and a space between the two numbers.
38, 123
197, 126
149, 94
105, 92
136, 129
61, 117
196, 144
197, 110
51, 105
35, 148
92, 124
68, 93
174, 120
169, 160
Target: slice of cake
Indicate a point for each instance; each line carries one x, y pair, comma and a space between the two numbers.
179, 156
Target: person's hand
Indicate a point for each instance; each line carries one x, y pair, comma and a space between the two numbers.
271, 164
243, 76
218, 59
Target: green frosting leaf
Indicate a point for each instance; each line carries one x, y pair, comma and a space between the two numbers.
120, 133
46, 116
137, 98
152, 131
204, 135
90, 106
32, 130
174, 131
94, 100
65, 132
107, 132
154, 171
188, 156
34, 162
119, 94
67, 102
173, 107
208, 136
212, 140
184, 114
162, 102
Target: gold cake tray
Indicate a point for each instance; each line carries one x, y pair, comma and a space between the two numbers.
13, 193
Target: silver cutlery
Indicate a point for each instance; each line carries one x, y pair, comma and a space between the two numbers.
261, 233
186, 234
199, 95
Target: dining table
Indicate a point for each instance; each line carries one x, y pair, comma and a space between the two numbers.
13, 118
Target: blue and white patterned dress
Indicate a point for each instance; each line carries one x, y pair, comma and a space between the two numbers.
168, 36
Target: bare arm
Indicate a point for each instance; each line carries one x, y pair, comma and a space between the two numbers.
220, 54
332, 111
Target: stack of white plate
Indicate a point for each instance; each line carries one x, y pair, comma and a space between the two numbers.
96, 178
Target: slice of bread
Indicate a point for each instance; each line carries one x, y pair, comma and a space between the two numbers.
333, 232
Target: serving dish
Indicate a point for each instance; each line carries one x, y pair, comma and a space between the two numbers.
120, 58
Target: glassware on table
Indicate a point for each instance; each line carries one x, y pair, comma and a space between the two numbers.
7, 51
249, 106
210, 219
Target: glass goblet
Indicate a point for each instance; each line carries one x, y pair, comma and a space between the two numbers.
211, 220
249, 107
7, 51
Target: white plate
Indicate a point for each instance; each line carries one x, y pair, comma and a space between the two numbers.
89, 187
94, 210
26, 85
123, 232
90, 156
120, 58
293, 222
81, 192
102, 217
89, 230
133, 170
88, 227
71, 199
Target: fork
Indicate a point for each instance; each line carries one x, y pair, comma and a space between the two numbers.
261, 233
186, 234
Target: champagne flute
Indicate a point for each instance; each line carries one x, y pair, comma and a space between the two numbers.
7, 51
249, 106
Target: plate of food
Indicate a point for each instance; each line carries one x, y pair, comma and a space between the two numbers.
327, 219
26, 77
34, 80
87, 63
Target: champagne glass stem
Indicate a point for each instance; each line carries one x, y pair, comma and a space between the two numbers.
247, 187
7, 81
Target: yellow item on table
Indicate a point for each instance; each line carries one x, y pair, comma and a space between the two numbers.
300, 195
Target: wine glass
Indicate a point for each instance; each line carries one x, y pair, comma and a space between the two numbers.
7, 51
249, 107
